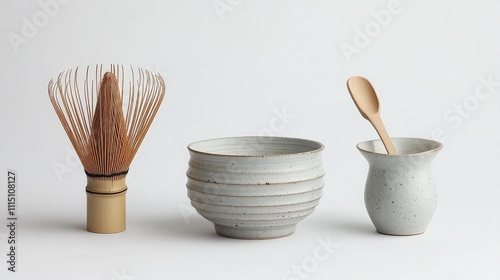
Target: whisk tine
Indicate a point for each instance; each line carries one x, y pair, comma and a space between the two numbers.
105, 131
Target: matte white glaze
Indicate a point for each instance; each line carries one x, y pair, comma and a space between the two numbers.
400, 193
255, 187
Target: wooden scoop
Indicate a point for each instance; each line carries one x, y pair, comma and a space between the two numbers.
366, 100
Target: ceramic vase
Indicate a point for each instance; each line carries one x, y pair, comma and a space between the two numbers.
400, 193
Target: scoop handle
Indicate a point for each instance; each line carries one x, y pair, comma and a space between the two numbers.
377, 123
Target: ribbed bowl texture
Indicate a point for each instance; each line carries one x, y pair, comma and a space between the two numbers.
255, 187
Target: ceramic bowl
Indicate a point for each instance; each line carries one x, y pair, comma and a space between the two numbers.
255, 187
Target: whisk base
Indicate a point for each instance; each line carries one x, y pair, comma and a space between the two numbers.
106, 212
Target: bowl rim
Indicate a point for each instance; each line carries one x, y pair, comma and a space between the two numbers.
439, 146
320, 148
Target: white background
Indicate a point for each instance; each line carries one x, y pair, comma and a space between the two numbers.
228, 73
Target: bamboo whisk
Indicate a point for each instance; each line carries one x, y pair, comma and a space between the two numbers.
105, 132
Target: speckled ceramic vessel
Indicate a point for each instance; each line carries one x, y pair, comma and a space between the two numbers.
400, 194
255, 187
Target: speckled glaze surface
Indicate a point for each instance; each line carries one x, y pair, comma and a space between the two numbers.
255, 187
400, 193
